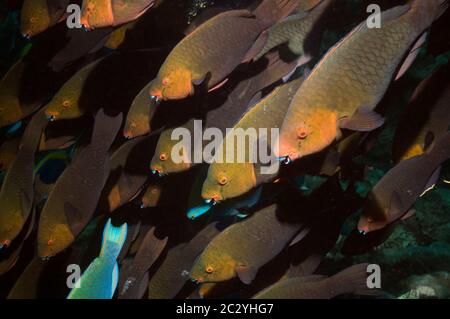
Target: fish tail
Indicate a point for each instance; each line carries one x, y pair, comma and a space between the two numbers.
271, 11
105, 128
113, 239
354, 280
427, 11
441, 149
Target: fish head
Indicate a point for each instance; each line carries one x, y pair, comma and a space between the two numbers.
413, 150
63, 107
305, 132
173, 84
170, 156
54, 240
373, 217
10, 115
228, 180
136, 126
96, 14
212, 266
35, 18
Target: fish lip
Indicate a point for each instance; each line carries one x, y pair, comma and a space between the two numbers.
5, 244
211, 201
156, 99
362, 232
26, 36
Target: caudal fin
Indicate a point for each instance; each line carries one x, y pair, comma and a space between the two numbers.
271, 11
354, 280
113, 239
105, 128
441, 149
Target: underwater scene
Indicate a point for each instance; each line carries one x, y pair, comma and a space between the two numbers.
224, 149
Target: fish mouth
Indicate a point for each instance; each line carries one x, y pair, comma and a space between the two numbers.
157, 171
197, 280
26, 36
213, 200
128, 135
51, 116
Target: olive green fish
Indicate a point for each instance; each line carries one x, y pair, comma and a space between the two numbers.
352, 280
39, 15
227, 179
295, 30
210, 53
16, 194
76, 193
65, 103
426, 118
241, 249
347, 84
394, 195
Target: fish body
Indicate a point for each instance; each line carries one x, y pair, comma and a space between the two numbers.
134, 274
295, 30
16, 194
426, 118
394, 195
118, 36
40, 15
100, 279
65, 103
173, 273
227, 179
105, 13
351, 280
76, 193
241, 249
347, 84
12, 108
8, 152
211, 52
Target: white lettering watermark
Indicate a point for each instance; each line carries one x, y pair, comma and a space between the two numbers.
374, 20
73, 280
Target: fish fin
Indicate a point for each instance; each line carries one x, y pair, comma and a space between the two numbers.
150, 249
143, 285
74, 217
200, 80
429, 139
363, 120
411, 56
257, 47
113, 238
114, 279
218, 86
106, 128
395, 206
410, 213
331, 162
246, 274
434, 178
300, 62
25, 202
271, 11
255, 99
299, 237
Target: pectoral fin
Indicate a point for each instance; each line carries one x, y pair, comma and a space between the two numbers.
363, 120
411, 56
246, 273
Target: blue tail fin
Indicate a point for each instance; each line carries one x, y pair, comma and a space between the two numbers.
113, 239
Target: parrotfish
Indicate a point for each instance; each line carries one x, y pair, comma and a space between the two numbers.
231, 179
210, 53
27, 285
134, 274
65, 103
12, 107
344, 88
76, 193
118, 36
352, 280
426, 118
105, 13
152, 195
394, 195
296, 30
100, 279
241, 249
16, 194
173, 273
40, 15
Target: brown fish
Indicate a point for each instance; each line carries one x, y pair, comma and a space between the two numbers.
39, 15
345, 87
351, 280
16, 194
76, 193
231, 38
227, 179
426, 118
8, 152
394, 195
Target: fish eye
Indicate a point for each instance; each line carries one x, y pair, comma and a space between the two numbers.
209, 270
66, 104
165, 81
223, 180
302, 133
33, 19
369, 220
163, 156
50, 242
